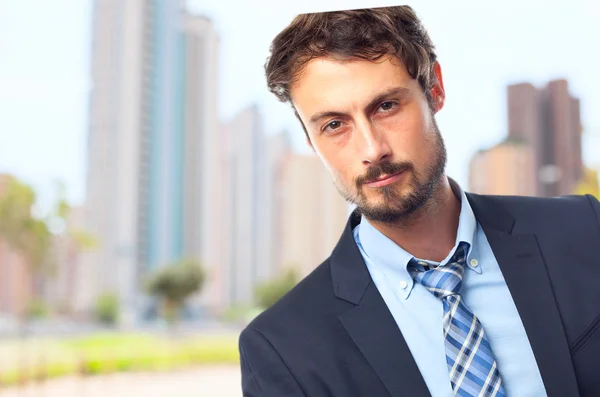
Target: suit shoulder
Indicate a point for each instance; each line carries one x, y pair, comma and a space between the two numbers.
562, 215
529, 204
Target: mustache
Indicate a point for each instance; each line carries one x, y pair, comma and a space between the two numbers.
374, 172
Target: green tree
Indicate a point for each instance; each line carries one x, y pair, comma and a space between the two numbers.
20, 229
269, 292
37, 309
107, 309
26, 235
174, 284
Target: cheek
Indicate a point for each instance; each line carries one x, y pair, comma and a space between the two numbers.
407, 131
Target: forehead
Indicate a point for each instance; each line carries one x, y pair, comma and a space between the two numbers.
325, 81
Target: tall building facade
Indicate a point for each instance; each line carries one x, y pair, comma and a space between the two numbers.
254, 165
204, 177
113, 171
248, 215
313, 213
280, 150
152, 142
548, 119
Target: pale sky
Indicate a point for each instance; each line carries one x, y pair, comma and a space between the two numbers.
44, 72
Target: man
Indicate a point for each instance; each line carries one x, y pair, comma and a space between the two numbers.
430, 290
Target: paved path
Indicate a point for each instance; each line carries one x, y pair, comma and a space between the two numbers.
217, 381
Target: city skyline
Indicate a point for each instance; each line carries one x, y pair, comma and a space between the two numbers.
167, 181
154, 188
542, 152
186, 192
57, 89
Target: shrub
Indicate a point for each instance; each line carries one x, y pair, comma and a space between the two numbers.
174, 284
36, 309
107, 309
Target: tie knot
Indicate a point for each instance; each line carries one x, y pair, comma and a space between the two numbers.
442, 281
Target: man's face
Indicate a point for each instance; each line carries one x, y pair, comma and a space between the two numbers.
373, 128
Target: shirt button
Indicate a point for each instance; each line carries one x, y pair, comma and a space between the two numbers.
474, 262
403, 284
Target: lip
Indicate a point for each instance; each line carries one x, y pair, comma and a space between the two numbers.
386, 181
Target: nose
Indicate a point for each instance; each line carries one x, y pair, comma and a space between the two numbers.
372, 143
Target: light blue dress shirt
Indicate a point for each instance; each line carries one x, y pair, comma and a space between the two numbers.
419, 314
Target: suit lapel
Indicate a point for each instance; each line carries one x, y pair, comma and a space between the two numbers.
527, 278
370, 324
373, 329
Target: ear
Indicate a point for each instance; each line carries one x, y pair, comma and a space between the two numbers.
437, 92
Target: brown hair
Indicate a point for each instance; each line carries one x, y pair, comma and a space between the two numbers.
365, 33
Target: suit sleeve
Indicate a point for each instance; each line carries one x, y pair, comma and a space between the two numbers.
264, 374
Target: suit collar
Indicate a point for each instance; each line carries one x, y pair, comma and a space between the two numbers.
349, 274
394, 259
491, 213
391, 360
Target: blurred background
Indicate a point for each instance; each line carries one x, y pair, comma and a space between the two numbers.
155, 197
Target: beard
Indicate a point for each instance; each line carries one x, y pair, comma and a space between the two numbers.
393, 206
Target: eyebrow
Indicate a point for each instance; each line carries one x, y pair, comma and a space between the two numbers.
396, 91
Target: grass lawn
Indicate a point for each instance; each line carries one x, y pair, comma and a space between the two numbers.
30, 359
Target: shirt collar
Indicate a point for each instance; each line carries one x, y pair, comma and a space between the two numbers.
393, 259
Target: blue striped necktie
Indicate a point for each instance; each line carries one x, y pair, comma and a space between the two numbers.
471, 363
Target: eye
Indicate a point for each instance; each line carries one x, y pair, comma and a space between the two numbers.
387, 106
332, 126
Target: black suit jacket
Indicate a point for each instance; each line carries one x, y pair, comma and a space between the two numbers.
333, 335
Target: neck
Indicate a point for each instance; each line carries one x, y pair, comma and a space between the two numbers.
430, 232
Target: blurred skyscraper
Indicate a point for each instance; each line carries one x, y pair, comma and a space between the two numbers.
284, 209
203, 150
153, 181
313, 213
280, 150
252, 198
548, 119
542, 155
